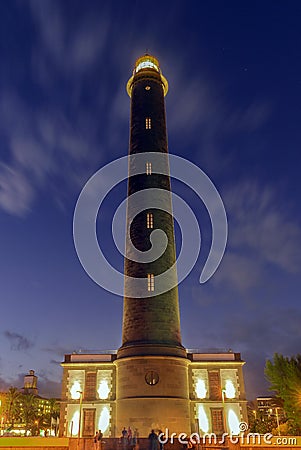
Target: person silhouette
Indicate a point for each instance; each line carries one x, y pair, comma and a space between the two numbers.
153, 440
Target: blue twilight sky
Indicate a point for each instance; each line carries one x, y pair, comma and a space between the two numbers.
233, 108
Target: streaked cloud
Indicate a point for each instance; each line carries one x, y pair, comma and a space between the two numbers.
16, 192
263, 223
57, 350
47, 386
69, 53
17, 341
47, 139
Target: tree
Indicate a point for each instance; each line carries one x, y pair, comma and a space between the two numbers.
261, 423
13, 405
54, 408
29, 410
46, 418
284, 374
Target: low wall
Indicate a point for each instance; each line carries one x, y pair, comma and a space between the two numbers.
34, 443
51, 443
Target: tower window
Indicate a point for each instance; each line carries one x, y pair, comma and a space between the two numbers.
149, 220
148, 123
150, 282
148, 167
147, 88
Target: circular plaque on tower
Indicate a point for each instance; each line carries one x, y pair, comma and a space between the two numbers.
152, 378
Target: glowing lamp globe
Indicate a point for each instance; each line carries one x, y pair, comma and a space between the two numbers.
146, 64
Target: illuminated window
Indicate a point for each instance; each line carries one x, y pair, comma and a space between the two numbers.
104, 419
203, 419
74, 424
200, 389
150, 282
103, 389
75, 390
233, 422
147, 63
147, 88
148, 123
149, 220
230, 389
148, 167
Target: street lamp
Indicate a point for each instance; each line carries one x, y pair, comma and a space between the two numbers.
277, 418
224, 411
80, 415
2, 425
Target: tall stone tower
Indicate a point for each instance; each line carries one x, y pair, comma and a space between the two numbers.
30, 383
152, 379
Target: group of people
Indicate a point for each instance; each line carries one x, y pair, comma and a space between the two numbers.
98, 440
129, 438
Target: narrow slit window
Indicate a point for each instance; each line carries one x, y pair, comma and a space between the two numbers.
148, 167
148, 123
149, 220
150, 282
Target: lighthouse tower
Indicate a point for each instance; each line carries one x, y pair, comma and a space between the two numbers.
152, 375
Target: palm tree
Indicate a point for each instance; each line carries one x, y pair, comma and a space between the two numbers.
29, 410
54, 407
13, 404
54, 412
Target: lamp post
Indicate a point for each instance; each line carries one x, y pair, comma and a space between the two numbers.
224, 411
2, 419
197, 424
277, 418
80, 416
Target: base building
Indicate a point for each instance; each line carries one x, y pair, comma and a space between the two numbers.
151, 381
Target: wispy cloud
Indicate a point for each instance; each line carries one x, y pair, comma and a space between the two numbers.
57, 350
69, 53
263, 223
16, 192
6, 383
43, 146
199, 103
46, 139
264, 239
238, 272
47, 386
53, 361
247, 119
257, 334
17, 341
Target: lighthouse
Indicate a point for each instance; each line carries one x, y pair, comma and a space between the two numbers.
152, 365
